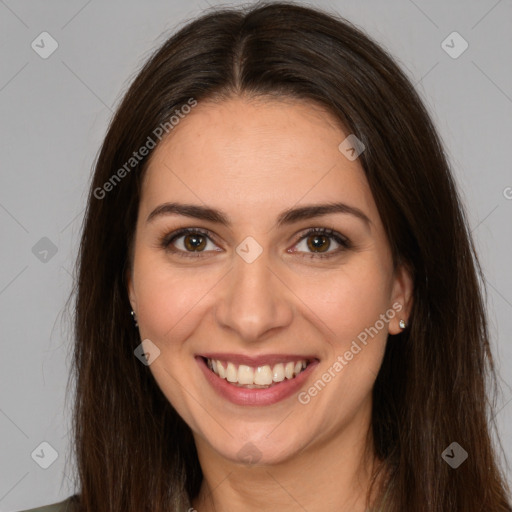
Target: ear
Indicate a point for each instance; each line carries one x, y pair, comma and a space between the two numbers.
401, 298
130, 287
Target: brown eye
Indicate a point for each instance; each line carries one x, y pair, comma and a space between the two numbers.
189, 242
318, 243
194, 242
322, 243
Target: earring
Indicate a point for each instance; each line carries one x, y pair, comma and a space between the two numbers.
402, 324
135, 318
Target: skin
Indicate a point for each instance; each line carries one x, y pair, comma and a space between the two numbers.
252, 159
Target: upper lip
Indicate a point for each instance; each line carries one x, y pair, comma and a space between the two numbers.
256, 361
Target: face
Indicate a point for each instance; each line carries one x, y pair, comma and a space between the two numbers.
291, 296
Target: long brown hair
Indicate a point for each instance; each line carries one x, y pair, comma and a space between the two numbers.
133, 451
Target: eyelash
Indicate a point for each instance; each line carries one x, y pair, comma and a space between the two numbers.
167, 241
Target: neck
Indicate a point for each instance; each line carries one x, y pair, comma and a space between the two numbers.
329, 475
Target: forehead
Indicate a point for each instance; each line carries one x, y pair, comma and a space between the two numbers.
268, 155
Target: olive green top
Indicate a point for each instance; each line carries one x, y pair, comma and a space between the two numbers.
67, 505
62, 506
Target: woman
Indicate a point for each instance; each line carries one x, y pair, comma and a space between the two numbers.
277, 296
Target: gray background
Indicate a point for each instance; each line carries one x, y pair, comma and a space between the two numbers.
54, 115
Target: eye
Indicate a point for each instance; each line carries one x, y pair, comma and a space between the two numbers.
314, 243
321, 243
188, 241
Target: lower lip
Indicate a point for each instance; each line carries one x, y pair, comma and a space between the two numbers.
264, 396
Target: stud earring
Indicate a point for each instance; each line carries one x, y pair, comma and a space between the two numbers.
402, 324
135, 318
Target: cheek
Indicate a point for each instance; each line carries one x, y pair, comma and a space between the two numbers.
352, 300
170, 303
168, 299
168, 311
352, 307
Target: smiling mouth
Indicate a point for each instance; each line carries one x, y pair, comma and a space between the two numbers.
256, 377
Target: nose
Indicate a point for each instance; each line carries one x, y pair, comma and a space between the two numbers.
254, 300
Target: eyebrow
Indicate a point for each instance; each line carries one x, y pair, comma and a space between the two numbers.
289, 216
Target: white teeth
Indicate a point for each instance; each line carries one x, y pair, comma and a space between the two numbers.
278, 374
245, 374
231, 373
261, 376
288, 370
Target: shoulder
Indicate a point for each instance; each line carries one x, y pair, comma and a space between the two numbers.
68, 505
